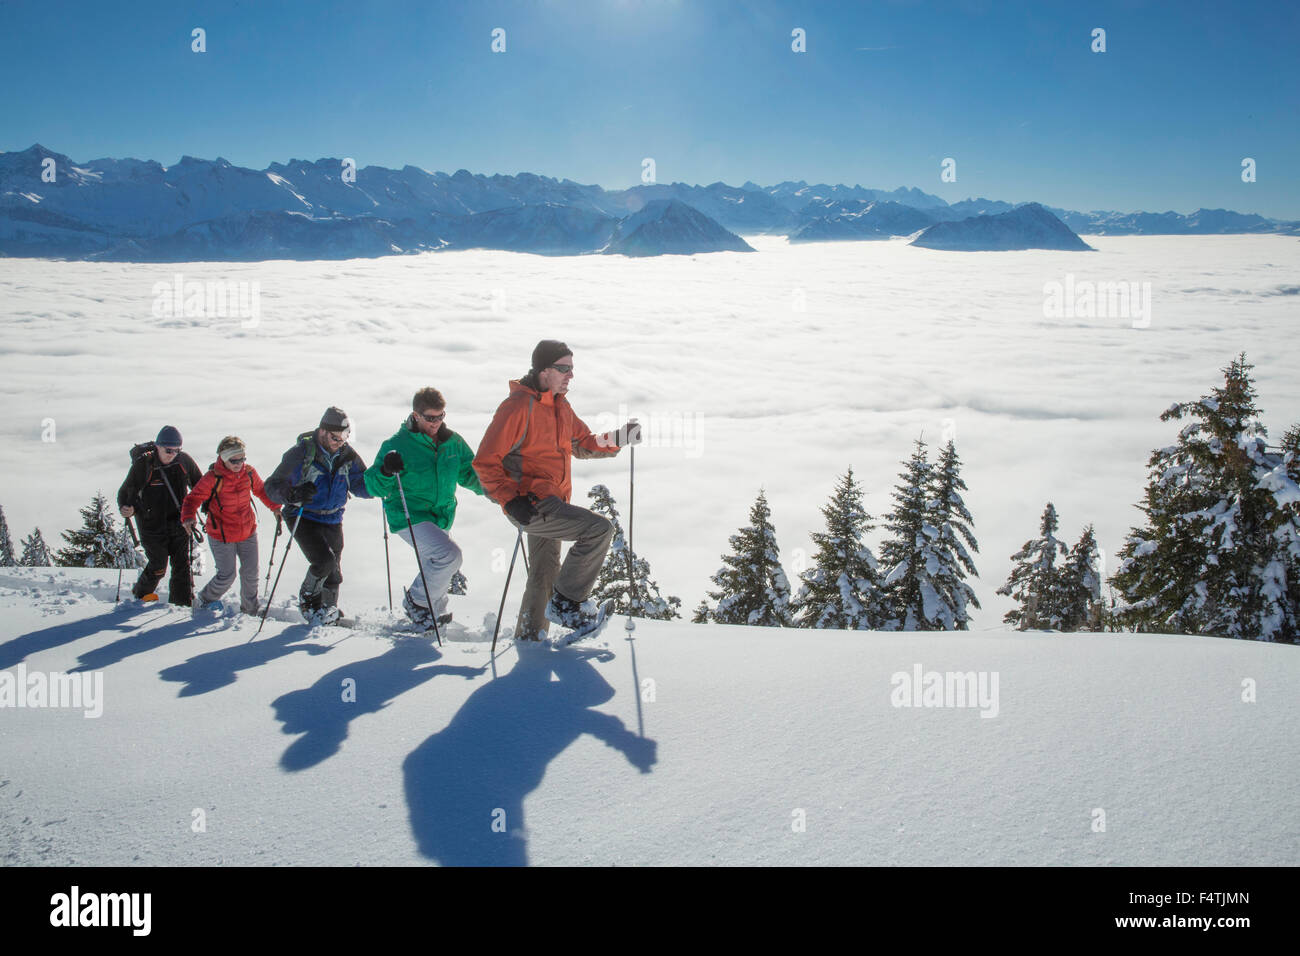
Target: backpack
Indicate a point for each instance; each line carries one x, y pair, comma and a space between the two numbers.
206, 507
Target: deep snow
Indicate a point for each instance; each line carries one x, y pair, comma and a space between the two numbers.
738, 735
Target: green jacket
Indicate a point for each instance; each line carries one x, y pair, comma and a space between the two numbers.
432, 472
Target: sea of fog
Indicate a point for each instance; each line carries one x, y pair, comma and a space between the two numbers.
775, 369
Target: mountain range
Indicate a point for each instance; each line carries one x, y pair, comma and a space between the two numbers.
140, 210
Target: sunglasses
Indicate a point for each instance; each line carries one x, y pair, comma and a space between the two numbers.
562, 369
337, 436
238, 461
170, 449
432, 419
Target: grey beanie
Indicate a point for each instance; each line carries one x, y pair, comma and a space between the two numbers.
335, 420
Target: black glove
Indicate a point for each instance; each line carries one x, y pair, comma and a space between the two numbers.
300, 493
629, 434
521, 509
392, 465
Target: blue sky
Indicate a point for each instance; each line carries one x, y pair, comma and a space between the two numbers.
711, 90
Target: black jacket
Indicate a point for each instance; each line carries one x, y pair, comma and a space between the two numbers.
147, 483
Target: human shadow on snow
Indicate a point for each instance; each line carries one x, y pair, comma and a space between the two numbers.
18, 649
477, 771
322, 713
219, 668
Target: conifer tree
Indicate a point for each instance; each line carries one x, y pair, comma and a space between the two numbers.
1035, 581
911, 599
8, 558
752, 587
1218, 552
36, 554
953, 521
1080, 586
97, 543
841, 589
612, 581
702, 613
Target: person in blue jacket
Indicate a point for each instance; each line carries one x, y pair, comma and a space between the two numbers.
313, 481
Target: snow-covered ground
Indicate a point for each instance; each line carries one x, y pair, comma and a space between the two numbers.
684, 745
778, 369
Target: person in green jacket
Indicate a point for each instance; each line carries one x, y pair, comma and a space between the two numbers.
432, 460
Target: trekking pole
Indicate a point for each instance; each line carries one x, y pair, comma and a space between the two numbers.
285, 560
136, 542
496, 630
388, 568
427, 595
631, 514
279, 526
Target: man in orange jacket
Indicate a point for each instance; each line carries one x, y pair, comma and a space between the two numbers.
523, 463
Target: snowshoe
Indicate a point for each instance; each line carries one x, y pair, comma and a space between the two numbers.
583, 620
322, 615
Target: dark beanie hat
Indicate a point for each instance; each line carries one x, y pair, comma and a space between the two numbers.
169, 436
335, 420
547, 351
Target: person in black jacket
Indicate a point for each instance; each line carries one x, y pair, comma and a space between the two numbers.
161, 476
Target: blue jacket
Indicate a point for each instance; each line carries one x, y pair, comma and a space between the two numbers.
334, 477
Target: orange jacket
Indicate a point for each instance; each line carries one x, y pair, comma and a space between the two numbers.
528, 447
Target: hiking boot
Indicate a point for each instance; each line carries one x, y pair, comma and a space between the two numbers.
418, 614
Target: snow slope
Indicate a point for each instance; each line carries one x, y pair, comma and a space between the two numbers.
738, 736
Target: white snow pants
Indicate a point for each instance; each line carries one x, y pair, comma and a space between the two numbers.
441, 558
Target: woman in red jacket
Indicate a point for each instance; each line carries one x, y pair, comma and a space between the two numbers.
227, 490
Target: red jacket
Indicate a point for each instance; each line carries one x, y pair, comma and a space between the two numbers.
528, 447
230, 511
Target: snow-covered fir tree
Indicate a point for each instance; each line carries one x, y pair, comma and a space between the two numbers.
701, 613
36, 553
459, 584
1080, 586
752, 587
612, 583
842, 588
8, 558
953, 521
911, 600
97, 543
1035, 580
1219, 552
